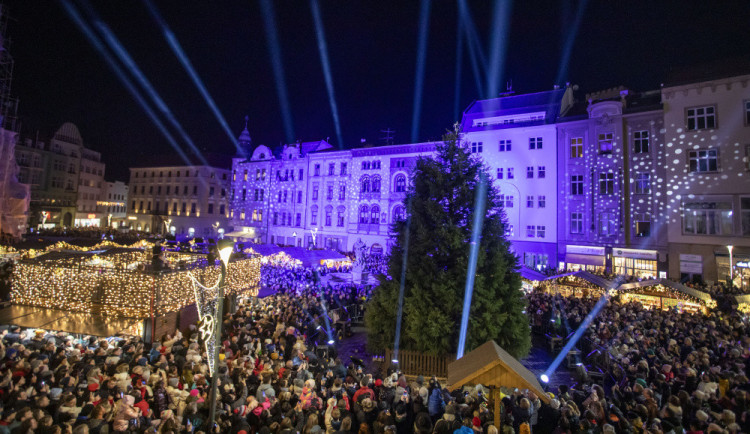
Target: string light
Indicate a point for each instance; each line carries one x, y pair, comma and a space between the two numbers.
116, 288
206, 303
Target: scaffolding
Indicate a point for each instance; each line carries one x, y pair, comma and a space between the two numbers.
8, 104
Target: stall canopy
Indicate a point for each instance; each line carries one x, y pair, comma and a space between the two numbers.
311, 258
490, 365
703, 296
529, 274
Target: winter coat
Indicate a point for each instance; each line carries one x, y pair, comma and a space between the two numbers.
267, 389
435, 404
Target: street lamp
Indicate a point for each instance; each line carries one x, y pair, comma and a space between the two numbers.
226, 247
731, 264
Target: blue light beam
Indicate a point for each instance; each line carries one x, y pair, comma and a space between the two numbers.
174, 44
274, 48
400, 311
424, 30
99, 47
562, 72
480, 202
459, 65
498, 44
582, 328
323, 51
476, 56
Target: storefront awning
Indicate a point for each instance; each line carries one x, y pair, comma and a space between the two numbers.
575, 258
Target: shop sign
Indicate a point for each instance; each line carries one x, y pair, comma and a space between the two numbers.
585, 250
635, 254
691, 267
691, 258
742, 264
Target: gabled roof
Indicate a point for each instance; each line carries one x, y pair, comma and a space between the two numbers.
490, 365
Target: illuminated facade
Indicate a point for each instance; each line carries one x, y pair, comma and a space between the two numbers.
186, 201
610, 152
516, 137
114, 203
708, 187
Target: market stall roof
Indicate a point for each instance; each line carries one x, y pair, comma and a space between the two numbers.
686, 290
240, 234
638, 284
490, 365
529, 274
61, 320
313, 257
593, 278
264, 249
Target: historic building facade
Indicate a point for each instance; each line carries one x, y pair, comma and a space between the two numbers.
610, 157
707, 152
185, 201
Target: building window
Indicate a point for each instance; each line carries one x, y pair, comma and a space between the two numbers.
508, 201
315, 193
505, 145
542, 201
286, 192
642, 225
541, 231
703, 160
640, 142
184, 207
700, 118
174, 208
262, 192
745, 215
529, 201
329, 192
398, 213
210, 208
317, 170
343, 169
476, 147
375, 215
508, 230
314, 215
400, 183
222, 210
364, 212
365, 165
576, 223
299, 196
535, 143
298, 222
607, 183
607, 224
278, 197
329, 215
576, 147
192, 208
530, 172
499, 173
605, 143
541, 172
342, 192
365, 184
244, 178
340, 217
331, 169
375, 184
576, 184
643, 183
275, 218
376, 164
530, 231
510, 173
707, 218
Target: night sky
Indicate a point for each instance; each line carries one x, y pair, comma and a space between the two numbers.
372, 48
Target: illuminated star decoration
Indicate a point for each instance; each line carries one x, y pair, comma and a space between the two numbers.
205, 302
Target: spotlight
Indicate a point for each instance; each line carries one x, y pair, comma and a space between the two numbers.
394, 361
544, 378
318, 327
331, 342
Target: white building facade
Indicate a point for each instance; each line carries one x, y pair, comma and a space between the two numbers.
114, 204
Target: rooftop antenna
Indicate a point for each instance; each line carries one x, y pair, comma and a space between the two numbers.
388, 136
508, 88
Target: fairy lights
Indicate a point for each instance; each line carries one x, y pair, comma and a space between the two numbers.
124, 291
206, 299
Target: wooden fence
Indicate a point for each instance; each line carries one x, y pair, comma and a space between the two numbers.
416, 363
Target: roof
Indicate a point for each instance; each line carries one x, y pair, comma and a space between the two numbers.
218, 161
490, 365
67, 321
515, 102
529, 274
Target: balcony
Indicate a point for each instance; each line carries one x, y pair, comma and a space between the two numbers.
369, 228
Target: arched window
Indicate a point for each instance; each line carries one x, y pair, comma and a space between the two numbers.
365, 184
314, 215
340, 213
400, 183
375, 215
398, 213
364, 214
375, 184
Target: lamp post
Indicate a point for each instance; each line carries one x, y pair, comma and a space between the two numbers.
731, 265
225, 251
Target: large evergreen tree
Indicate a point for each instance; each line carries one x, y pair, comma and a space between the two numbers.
441, 206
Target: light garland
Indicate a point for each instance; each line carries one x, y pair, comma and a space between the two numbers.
65, 284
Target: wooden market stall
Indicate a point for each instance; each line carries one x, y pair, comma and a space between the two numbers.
665, 294
491, 366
